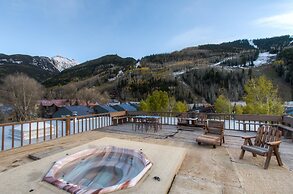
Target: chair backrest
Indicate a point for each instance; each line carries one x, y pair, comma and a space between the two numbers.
215, 127
202, 118
267, 133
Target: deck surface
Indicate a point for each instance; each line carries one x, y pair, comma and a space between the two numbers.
204, 169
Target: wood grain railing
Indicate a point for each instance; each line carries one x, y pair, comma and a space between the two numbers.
18, 134
232, 121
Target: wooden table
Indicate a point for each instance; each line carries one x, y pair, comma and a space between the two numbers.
146, 122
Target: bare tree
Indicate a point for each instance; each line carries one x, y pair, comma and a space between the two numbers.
22, 92
88, 95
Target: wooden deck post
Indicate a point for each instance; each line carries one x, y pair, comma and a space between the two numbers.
67, 125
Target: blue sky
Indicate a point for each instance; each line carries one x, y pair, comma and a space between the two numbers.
87, 29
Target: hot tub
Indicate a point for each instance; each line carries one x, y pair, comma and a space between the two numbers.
99, 170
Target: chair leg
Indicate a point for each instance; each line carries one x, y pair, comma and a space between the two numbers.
242, 154
268, 159
277, 154
223, 139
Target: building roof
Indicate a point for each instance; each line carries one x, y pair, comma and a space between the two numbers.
104, 108
56, 102
64, 102
80, 110
124, 107
289, 110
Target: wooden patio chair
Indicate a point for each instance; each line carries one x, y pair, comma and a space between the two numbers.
201, 120
267, 141
213, 135
183, 119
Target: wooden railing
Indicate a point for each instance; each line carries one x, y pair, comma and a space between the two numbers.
232, 121
18, 134
23, 133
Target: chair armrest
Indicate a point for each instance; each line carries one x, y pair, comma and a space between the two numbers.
273, 143
248, 137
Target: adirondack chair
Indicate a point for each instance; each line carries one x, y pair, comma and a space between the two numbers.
267, 141
213, 135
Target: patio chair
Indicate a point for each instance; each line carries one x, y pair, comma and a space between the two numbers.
267, 142
183, 119
213, 135
201, 120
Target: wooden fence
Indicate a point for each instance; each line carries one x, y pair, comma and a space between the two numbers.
18, 134
23, 133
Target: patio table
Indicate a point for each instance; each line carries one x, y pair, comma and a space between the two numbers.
145, 122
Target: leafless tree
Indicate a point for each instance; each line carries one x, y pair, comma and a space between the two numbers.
22, 92
88, 95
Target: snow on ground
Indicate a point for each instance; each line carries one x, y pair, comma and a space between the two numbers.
176, 73
118, 75
264, 58
252, 43
58, 128
62, 63
220, 62
137, 64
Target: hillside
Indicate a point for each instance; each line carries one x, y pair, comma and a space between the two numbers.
193, 74
104, 69
37, 67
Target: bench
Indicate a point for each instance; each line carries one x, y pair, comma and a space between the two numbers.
199, 121
213, 135
183, 119
119, 117
267, 141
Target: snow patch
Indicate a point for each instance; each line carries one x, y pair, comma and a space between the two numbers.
264, 58
252, 43
62, 63
120, 73
177, 73
219, 63
137, 64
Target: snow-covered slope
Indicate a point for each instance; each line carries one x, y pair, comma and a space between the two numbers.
252, 43
264, 58
62, 63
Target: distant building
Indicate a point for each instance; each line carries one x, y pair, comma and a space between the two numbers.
240, 103
103, 109
288, 104
204, 108
6, 113
135, 104
125, 107
113, 102
73, 111
289, 110
49, 107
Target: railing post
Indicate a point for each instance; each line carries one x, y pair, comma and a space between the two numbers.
67, 125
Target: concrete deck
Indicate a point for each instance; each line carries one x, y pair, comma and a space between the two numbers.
166, 162
204, 169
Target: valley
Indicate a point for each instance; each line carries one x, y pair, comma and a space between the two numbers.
194, 74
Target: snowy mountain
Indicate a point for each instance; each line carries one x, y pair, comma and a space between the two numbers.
37, 67
41, 62
62, 63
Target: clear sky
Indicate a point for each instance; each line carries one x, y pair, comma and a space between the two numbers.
87, 29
